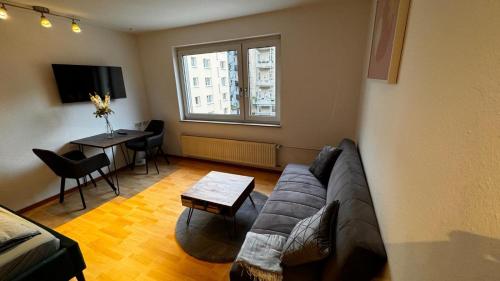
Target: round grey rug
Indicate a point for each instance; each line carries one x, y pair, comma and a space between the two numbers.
211, 239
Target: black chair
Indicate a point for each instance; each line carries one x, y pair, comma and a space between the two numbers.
150, 144
74, 165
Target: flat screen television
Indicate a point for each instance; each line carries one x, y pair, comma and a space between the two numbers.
75, 82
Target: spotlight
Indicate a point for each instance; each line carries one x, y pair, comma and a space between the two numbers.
3, 12
75, 27
45, 22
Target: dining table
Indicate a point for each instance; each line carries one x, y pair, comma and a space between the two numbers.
105, 141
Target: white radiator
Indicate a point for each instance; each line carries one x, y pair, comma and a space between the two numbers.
234, 151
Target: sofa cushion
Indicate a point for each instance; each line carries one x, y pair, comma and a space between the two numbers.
322, 166
298, 195
360, 252
309, 240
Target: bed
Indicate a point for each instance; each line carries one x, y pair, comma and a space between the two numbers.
48, 256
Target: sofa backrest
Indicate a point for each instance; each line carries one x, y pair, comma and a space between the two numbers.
359, 252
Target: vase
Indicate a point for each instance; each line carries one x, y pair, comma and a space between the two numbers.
109, 129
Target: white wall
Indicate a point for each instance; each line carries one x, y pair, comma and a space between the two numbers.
31, 114
322, 51
431, 145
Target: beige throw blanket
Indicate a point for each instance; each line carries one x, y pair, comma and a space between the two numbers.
260, 256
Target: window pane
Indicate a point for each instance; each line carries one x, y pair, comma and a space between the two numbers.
262, 81
214, 88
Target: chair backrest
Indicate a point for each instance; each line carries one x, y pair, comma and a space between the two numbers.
155, 126
54, 161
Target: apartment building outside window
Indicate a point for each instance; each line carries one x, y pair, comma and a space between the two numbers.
194, 62
244, 87
208, 82
196, 82
197, 100
206, 63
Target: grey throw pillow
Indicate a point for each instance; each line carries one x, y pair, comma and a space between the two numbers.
323, 164
310, 238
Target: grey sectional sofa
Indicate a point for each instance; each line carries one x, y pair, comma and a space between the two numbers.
359, 252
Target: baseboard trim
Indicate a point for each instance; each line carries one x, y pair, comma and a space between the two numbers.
56, 196
75, 188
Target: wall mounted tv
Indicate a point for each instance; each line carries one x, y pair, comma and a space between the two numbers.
75, 82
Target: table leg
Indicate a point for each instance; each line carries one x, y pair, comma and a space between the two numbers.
109, 169
190, 214
125, 155
80, 148
251, 200
116, 171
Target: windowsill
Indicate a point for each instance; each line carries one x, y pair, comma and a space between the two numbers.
232, 123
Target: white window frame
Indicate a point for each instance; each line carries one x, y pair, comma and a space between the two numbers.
209, 80
211, 101
241, 47
208, 65
260, 43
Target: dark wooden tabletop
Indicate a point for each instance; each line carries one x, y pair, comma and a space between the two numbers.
221, 188
120, 136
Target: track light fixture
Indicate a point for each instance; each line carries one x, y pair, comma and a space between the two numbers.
44, 21
3, 13
75, 27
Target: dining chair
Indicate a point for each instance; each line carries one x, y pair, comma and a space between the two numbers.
74, 165
151, 145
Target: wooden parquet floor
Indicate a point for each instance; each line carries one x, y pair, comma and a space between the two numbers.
133, 238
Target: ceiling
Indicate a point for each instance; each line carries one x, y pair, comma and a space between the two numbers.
147, 15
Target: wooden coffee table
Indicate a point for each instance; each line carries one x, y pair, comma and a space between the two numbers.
219, 193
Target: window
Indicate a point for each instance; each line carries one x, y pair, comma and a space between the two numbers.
206, 63
193, 62
262, 81
208, 82
196, 83
245, 86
